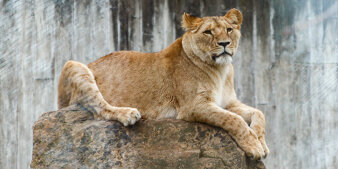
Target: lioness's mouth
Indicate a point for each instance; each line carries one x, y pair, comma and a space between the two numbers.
214, 57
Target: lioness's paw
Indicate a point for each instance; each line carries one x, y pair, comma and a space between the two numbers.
265, 147
252, 146
255, 152
128, 116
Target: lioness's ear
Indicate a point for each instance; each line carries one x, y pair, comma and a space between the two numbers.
190, 22
235, 16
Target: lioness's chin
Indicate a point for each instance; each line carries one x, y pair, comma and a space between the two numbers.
224, 60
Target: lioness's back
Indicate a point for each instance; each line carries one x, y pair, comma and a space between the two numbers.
133, 79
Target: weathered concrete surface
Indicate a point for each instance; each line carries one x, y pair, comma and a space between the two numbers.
71, 138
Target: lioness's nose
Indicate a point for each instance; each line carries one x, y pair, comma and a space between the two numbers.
224, 44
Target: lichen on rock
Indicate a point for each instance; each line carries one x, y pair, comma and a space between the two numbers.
72, 138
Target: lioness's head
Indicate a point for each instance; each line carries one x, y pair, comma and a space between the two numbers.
213, 39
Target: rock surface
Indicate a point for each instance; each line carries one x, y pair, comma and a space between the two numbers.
72, 138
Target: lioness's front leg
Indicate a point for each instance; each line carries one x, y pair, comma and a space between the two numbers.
252, 116
212, 114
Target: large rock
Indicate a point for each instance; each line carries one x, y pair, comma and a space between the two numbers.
71, 138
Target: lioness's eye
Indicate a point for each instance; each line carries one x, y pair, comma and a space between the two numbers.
208, 32
229, 30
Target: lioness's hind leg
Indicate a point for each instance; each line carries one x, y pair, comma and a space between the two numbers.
77, 85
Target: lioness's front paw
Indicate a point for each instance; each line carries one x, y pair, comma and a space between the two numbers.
254, 152
128, 116
252, 146
265, 147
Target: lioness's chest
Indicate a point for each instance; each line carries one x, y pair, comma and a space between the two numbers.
223, 95
223, 92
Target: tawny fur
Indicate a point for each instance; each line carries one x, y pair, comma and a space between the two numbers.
190, 80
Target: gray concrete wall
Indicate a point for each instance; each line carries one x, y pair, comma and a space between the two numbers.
286, 64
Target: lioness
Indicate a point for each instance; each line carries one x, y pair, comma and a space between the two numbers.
191, 80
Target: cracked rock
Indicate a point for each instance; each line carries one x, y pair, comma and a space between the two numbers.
71, 138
